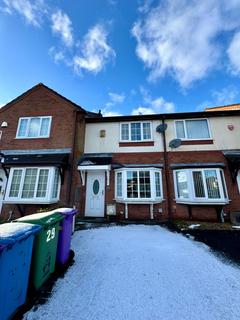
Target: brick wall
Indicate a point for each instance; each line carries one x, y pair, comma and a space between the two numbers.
179, 211
40, 101
204, 212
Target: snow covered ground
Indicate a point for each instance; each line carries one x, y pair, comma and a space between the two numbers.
142, 273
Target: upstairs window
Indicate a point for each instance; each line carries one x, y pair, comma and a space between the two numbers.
200, 186
192, 129
136, 131
34, 127
33, 185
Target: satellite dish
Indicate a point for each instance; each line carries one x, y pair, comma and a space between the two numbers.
175, 143
161, 128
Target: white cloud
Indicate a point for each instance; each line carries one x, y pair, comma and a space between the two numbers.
145, 6
56, 55
154, 105
225, 96
110, 113
62, 25
143, 110
110, 104
116, 97
234, 54
32, 11
181, 38
95, 51
161, 105
107, 112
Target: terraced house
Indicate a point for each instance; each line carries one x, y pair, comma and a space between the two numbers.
146, 167
182, 165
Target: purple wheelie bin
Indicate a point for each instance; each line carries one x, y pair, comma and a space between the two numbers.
65, 234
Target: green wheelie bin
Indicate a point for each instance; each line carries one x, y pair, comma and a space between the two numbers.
45, 246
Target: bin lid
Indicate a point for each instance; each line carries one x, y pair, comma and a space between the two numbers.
66, 211
43, 218
13, 232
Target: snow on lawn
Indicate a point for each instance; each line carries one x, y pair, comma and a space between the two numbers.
142, 273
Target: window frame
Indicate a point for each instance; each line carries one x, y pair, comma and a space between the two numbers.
238, 181
129, 131
185, 129
116, 184
192, 199
153, 197
34, 200
28, 126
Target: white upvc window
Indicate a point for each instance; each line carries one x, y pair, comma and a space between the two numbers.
200, 186
136, 131
238, 181
192, 129
138, 184
34, 127
33, 185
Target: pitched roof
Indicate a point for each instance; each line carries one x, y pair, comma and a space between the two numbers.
229, 107
36, 87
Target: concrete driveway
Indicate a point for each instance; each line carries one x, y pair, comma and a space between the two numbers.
142, 272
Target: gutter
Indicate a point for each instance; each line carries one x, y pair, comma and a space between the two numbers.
169, 116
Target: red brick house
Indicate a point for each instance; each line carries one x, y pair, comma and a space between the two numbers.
38, 141
146, 167
151, 167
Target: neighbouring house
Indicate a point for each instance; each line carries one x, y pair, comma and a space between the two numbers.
182, 165
229, 107
38, 143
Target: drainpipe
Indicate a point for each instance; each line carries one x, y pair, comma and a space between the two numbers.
71, 160
166, 171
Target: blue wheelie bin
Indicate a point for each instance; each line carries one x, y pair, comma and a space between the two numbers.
16, 243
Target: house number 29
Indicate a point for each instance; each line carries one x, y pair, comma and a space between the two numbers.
50, 234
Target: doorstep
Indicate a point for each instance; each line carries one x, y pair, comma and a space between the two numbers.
90, 223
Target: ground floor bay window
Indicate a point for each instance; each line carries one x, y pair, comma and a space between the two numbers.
200, 186
30, 185
138, 185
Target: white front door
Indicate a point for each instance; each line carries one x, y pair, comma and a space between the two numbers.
95, 194
3, 181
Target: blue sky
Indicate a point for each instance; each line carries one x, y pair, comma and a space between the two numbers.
123, 57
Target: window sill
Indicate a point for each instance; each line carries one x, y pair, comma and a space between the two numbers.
27, 138
129, 201
30, 201
136, 144
194, 142
205, 203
